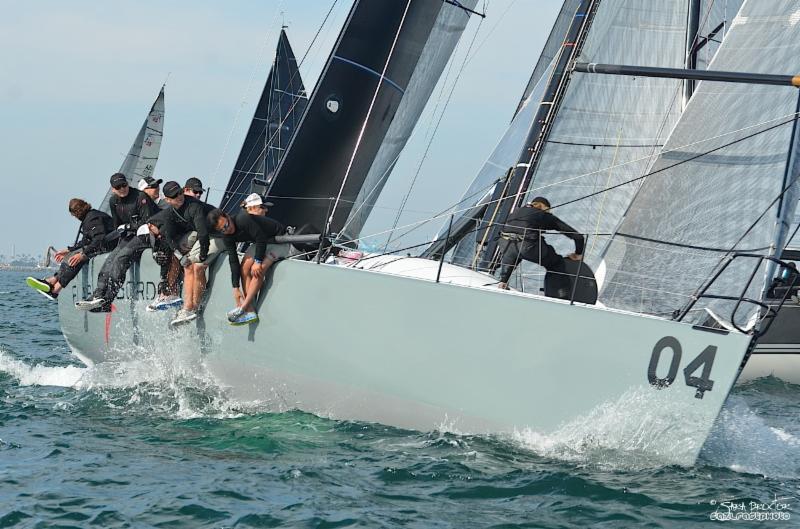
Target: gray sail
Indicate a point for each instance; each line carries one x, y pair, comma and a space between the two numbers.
715, 21
721, 174
441, 42
143, 155
551, 48
505, 155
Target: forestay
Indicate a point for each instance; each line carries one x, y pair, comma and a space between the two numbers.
717, 184
277, 115
143, 155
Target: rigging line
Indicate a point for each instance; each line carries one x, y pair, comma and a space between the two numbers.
749, 229
390, 166
687, 246
291, 79
603, 201
435, 130
795, 117
244, 98
443, 214
366, 119
491, 30
691, 158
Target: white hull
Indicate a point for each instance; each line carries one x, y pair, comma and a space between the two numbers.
371, 346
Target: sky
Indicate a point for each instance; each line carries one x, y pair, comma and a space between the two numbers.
78, 78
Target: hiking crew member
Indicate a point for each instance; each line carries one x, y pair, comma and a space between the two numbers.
193, 188
170, 268
150, 186
188, 233
260, 256
522, 239
95, 228
130, 209
255, 205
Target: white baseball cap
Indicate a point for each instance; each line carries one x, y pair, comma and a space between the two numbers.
254, 199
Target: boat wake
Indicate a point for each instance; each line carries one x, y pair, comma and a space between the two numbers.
622, 435
744, 442
168, 380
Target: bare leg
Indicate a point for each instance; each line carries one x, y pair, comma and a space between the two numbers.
199, 284
254, 287
188, 288
55, 288
247, 263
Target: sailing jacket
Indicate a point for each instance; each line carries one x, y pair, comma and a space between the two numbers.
132, 210
527, 223
250, 228
94, 228
191, 216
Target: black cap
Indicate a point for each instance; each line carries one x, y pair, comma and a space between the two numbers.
172, 189
540, 199
117, 179
194, 184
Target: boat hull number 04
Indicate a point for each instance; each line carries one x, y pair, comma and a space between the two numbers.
669, 345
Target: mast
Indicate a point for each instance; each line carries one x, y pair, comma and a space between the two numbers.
280, 107
510, 196
692, 29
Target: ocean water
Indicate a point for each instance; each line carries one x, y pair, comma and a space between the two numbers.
143, 445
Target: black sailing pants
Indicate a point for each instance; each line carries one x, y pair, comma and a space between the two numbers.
67, 273
112, 274
537, 252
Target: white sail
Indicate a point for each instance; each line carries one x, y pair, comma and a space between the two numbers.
143, 155
717, 185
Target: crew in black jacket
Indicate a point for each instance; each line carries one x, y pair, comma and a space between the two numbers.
522, 239
130, 209
260, 231
95, 228
188, 233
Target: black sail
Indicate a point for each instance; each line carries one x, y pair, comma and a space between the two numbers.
277, 115
315, 167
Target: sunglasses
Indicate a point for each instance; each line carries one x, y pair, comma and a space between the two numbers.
120, 186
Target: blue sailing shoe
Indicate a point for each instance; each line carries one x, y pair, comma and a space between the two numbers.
165, 303
245, 318
234, 314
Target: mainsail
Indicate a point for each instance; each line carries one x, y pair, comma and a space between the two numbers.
143, 155
732, 156
605, 130
277, 115
381, 71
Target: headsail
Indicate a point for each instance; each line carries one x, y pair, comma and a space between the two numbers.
722, 174
340, 141
551, 49
277, 115
143, 155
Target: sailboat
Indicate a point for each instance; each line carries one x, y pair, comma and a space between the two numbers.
593, 142
413, 342
277, 115
143, 155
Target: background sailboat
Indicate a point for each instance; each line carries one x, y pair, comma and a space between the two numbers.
275, 121
143, 154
